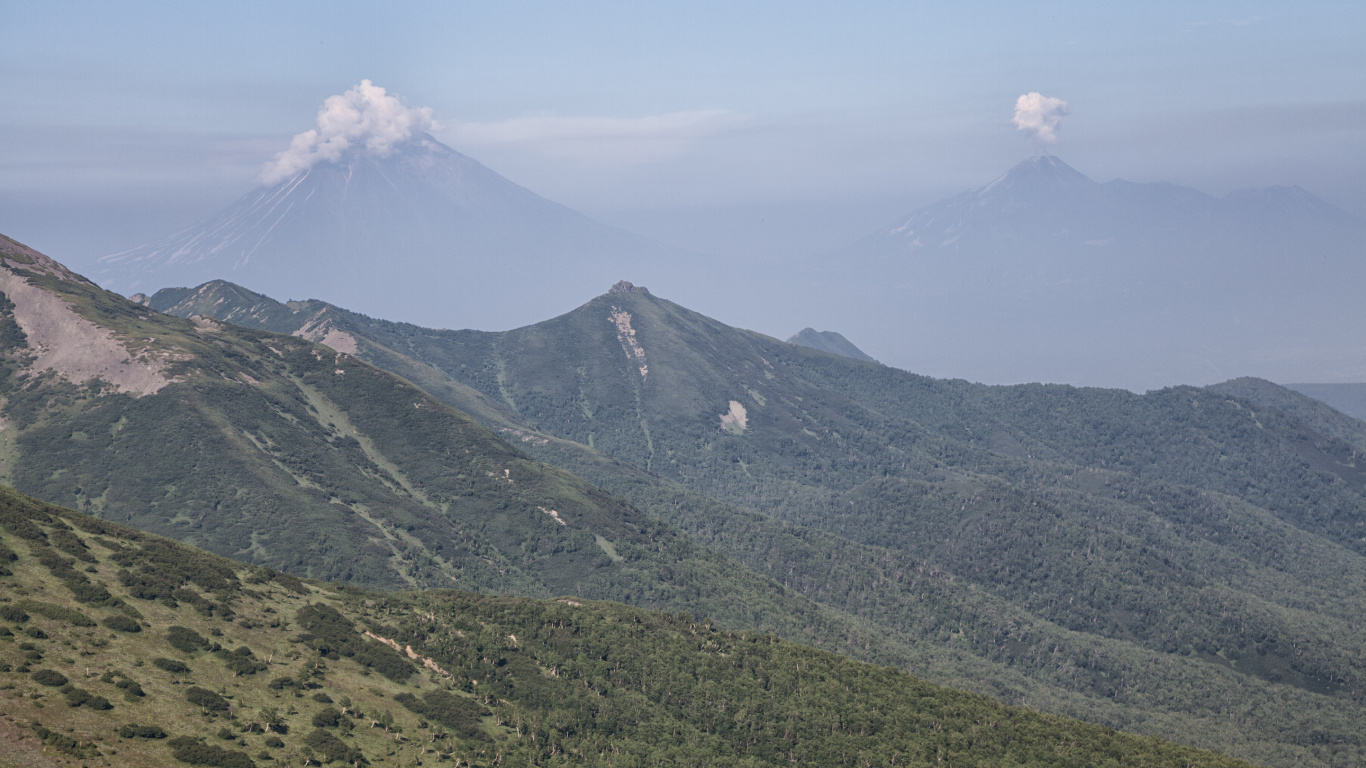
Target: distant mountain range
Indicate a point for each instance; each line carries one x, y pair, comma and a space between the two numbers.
1046, 275
1041, 275
423, 233
1123, 558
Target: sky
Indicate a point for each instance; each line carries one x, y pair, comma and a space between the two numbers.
748, 129
756, 126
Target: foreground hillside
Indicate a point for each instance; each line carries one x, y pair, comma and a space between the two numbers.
1186, 563
121, 648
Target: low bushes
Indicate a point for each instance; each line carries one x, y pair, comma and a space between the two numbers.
132, 731
49, 677
203, 697
194, 752
170, 665
122, 624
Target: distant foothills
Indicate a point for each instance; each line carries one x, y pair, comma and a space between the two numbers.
1188, 564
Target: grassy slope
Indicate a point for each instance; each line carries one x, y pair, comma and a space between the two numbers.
957, 516
510, 680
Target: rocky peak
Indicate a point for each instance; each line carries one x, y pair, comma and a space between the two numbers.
623, 286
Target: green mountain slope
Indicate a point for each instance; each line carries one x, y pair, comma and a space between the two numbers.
1347, 398
280, 452
121, 648
1316, 413
1185, 562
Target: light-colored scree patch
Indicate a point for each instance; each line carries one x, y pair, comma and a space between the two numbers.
341, 341
75, 348
320, 330
627, 336
736, 420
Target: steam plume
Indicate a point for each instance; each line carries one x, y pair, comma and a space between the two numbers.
1041, 115
365, 115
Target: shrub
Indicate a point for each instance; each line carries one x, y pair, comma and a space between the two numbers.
76, 697
59, 613
131, 690
322, 698
188, 750
63, 743
455, 712
13, 613
203, 697
241, 661
122, 624
292, 583
185, 639
226, 734
132, 731
332, 748
281, 683
67, 541
170, 665
331, 633
36, 633
274, 742
50, 677
328, 717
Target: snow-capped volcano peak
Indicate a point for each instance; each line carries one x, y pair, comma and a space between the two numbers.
418, 232
1037, 175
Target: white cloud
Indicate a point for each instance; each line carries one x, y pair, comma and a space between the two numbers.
1040, 115
597, 140
365, 116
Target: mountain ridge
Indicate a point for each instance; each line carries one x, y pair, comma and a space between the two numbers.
386, 485
1006, 492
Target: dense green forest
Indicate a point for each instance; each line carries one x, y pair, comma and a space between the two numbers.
122, 648
1186, 562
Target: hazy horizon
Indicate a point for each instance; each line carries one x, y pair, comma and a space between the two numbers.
757, 134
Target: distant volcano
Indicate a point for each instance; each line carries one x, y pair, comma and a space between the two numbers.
1043, 204
423, 234
1046, 274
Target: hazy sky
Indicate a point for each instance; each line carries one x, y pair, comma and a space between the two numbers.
751, 125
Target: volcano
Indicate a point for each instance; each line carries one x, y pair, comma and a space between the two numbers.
1045, 274
420, 232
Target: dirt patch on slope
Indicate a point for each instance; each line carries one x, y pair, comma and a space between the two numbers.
63, 341
736, 419
321, 330
627, 336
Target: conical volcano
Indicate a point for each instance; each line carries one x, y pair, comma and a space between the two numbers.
420, 232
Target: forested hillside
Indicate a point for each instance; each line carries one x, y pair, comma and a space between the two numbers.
1185, 562
122, 648
283, 453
